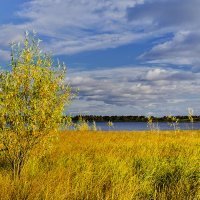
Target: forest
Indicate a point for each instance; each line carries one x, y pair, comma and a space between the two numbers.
98, 118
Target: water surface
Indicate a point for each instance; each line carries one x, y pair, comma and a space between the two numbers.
141, 126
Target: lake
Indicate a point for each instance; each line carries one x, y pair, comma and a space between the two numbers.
140, 126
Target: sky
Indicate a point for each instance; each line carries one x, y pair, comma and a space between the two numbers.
126, 57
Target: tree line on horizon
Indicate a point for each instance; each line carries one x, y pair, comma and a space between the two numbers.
130, 118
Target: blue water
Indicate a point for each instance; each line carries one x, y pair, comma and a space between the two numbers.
139, 126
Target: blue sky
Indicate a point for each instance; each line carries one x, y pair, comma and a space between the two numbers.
130, 57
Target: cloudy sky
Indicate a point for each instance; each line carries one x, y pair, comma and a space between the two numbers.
127, 57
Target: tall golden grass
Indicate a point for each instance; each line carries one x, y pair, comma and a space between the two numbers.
110, 165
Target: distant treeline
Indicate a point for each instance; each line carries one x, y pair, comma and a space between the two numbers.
91, 118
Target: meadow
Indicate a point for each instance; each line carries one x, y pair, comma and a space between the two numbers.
87, 165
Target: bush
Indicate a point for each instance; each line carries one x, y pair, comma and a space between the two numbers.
33, 96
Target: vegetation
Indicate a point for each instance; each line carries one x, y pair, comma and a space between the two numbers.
110, 124
84, 164
111, 165
32, 100
174, 122
91, 118
152, 125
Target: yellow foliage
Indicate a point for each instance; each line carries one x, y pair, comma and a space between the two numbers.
33, 97
111, 165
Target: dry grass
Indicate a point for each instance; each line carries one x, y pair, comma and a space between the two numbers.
111, 165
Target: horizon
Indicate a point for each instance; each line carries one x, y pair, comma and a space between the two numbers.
145, 116
128, 58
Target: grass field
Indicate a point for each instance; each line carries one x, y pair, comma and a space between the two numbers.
111, 165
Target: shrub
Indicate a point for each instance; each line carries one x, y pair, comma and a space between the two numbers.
33, 96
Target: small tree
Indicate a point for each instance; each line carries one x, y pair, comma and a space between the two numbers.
33, 96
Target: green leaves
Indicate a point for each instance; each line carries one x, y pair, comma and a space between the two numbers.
33, 97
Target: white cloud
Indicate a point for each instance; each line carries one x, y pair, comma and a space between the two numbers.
157, 74
96, 42
178, 17
10, 33
4, 55
74, 26
80, 14
183, 49
166, 14
82, 25
138, 90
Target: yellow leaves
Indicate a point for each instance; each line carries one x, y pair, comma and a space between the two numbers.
33, 96
190, 114
28, 56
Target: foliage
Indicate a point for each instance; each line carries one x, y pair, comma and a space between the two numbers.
110, 124
174, 123
82, 124
99, 118
151, 125
190, 116
67, 122
94, 126
115, 165
33, 97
